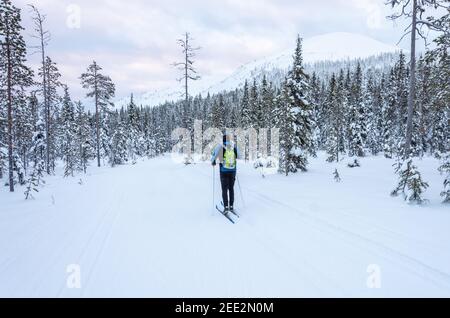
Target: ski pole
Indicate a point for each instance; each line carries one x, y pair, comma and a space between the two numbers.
214, 190
240, 191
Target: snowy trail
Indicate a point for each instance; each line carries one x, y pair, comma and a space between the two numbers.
149, 231
423, 271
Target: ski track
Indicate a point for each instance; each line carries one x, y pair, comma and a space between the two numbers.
415, 266
268, 228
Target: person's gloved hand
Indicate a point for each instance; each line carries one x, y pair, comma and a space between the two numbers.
214, 163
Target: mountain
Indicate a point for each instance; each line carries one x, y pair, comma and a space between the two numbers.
330, 47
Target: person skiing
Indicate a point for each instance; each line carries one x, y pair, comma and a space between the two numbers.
227, 154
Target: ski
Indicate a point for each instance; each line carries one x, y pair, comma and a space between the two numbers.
233, 212
225, 215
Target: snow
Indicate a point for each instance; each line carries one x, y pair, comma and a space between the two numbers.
151, 230
330, 47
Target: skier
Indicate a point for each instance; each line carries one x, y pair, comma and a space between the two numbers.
227, 154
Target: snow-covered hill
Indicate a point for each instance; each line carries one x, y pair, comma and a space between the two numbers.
331, 47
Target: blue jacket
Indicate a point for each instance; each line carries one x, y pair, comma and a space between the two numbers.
218, 154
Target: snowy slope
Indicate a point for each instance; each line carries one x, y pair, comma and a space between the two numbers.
302, 236
328, 47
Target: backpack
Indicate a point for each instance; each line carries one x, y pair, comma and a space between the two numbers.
229, 157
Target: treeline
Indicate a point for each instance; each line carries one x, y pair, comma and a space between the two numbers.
355, 112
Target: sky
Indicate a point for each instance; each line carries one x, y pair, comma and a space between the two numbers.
135, 40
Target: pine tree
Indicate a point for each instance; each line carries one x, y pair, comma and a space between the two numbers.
415, 12
410, 184
400, 86
388, 115
189, 74
372, 97
118, 146
255, 112
35, 180
358, 129
267, 105
14, 73
319, 110
336, 103
416, 187
445, 170
294, 117
135, 139
102, 89
246, 116
68, 136
217, 113
82, 137
439, 113
43, 37
3, 159
50, 110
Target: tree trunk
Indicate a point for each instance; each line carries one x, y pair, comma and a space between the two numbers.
10, 117
186, 81
412, 83
97, 115
46, 106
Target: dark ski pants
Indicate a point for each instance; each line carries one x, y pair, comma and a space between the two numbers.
227, 180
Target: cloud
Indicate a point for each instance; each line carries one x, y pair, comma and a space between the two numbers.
135, 42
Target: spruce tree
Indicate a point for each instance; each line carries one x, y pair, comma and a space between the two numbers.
410, 184
294, 117
445, 170
246, 116
50, 110
35, 180
68, 135
135, 139
358, 129
83, 139
336, 101
14, 73
118, 145
388, 115
102, 89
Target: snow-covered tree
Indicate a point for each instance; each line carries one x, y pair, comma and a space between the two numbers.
50, 110
417, 12
135, 138
246, 116
410, 184
35, 180
445, 170
336, 103
294, 117
357, 116
68, 135
82, 137
15, 75
118, 147
102, 89
189, 74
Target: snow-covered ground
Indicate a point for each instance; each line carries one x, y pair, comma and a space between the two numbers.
150, 230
